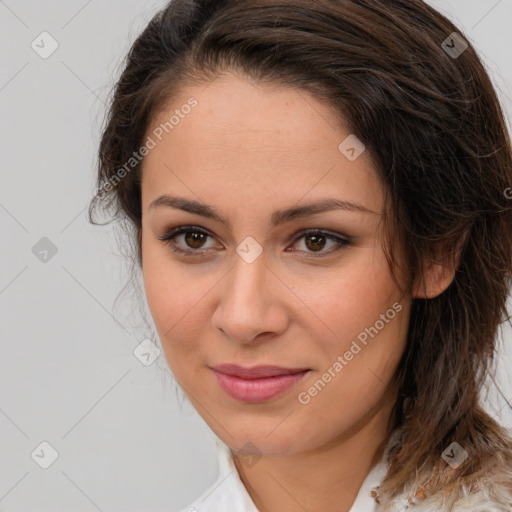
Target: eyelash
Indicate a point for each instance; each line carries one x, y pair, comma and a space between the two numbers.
169, 237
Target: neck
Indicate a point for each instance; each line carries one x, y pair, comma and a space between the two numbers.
325, 478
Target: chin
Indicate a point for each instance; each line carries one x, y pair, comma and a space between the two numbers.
263, 439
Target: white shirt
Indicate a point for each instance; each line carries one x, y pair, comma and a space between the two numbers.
228, 493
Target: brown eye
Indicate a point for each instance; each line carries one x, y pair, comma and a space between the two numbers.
194, 239
191, 241
317, 242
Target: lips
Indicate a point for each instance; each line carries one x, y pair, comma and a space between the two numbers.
256, 372
259, 383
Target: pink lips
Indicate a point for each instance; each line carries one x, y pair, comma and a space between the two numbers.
256, 384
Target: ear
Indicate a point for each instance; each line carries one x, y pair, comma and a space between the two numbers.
438, 273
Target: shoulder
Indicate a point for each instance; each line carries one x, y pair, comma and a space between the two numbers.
489, 491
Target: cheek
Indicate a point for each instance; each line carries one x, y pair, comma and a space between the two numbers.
358, 365
353, 298
160, 285
373, 319
177, 300
165, 291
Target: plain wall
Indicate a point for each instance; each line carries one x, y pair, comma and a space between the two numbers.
68, 374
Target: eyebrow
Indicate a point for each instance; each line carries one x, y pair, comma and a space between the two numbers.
278, 217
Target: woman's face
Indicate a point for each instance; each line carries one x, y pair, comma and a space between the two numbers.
249, 287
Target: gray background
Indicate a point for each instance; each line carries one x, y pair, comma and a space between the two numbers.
68, 374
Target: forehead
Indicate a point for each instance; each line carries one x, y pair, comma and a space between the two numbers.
248, 113
247, 136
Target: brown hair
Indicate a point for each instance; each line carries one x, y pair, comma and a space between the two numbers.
434, 128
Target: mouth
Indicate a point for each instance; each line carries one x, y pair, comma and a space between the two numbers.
258, 383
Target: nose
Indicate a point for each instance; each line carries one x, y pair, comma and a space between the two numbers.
250, 306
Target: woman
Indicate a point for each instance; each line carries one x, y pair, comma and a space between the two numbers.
318, 197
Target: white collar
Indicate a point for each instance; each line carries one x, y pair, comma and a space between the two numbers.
228, 493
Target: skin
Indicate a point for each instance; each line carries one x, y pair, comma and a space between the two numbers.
248, 149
